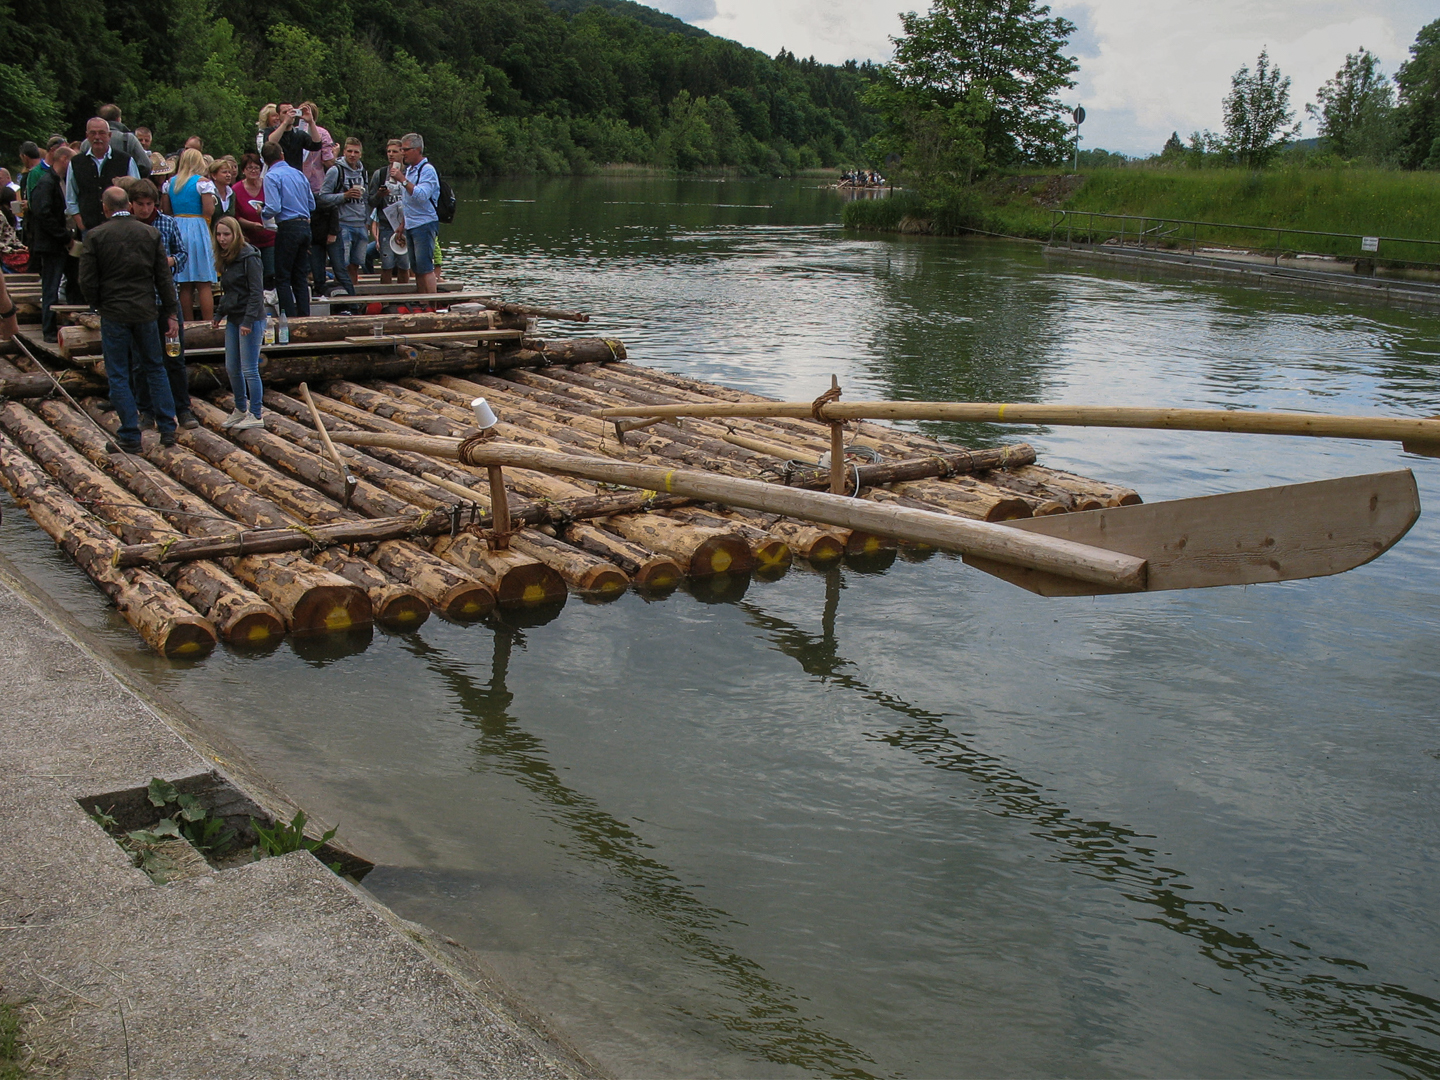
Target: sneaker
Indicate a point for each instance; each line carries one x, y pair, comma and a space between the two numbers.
169, 438
247, 423
233, 419
147, 420
186, 419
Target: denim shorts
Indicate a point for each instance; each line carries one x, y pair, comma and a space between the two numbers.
422, 246
388, 259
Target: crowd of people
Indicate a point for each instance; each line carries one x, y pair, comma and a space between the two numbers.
145, 238
861, 178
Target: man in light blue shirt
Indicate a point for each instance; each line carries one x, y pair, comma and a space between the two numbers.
422, 222
289, 200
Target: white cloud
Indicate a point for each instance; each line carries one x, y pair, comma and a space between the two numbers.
1147, 67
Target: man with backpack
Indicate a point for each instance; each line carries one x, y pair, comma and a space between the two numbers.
427, 201
383, 192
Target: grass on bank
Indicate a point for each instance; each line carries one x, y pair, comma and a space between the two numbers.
12, 1053
1368, 202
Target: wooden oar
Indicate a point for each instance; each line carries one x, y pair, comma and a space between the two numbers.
1240, 538
1276, 534
1418, 436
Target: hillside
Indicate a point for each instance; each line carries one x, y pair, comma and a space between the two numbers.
497, 86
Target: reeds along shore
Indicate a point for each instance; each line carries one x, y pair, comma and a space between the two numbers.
243, 537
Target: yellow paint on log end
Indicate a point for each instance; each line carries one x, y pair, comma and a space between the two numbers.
259, 632
720, 561
533, 594
337, 619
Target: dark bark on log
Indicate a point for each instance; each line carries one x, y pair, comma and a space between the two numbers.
239, 615
163, 620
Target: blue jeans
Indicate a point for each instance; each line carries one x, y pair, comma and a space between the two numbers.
353, 241
242, 364
336, 251
292, 267
136, 344
422, 246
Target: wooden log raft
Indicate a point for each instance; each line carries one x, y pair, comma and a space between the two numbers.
455, 595
240, 616
647, 570
513, 578
163, 620
312, 600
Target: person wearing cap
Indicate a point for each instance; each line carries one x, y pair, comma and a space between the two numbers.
92, 172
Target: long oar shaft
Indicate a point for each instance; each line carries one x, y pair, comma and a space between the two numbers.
1396, 429
1009, 546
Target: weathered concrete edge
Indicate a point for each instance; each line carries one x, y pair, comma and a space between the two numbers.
1382, 291
452, 958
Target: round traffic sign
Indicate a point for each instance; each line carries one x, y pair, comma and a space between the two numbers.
1079, 114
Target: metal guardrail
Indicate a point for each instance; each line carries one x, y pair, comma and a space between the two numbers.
1169, 234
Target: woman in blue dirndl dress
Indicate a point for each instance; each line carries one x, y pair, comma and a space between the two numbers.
191, 200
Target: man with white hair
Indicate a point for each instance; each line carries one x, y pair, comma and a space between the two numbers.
91, 172
422, 195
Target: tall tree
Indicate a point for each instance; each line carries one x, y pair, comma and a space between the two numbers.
1356, 109
1419, 82
1257, 112
994, 67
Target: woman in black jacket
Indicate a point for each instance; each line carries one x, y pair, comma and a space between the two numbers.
243, 306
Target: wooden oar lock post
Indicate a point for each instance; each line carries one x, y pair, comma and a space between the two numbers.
485, 420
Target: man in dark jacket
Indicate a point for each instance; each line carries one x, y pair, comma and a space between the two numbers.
123, 270
47, 231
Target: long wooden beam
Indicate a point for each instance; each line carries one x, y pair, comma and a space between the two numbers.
995, 542
1421, 432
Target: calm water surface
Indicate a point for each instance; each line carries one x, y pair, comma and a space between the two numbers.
916, 823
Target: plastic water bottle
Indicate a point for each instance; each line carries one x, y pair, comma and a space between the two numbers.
282, 334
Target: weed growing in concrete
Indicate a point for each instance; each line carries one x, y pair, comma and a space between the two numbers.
285, 838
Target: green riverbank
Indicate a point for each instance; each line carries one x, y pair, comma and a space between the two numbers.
1367, 201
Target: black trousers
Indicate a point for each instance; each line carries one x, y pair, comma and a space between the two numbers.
292, 267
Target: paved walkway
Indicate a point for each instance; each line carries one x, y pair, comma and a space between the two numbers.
276, 968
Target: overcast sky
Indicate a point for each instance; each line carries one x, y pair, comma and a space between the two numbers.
1147, 67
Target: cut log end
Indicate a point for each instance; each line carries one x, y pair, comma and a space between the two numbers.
827, 550
603, 582
466, 602
869, 545
658, 576
186, 639
253, 629
398, 608
530, 585
772, 557
332, 609
722, 555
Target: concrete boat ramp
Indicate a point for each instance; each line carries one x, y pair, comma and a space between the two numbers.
276, 968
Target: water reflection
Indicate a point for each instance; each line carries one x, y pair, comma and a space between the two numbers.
1314, 992
762, 1017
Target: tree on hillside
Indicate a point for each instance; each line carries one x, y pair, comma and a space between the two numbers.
1419, 113
1356, 109
976, 83
1257, 110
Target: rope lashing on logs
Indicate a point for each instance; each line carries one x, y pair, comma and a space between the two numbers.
817, 406
316, 544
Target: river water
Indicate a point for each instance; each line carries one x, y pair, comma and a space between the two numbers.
919, 822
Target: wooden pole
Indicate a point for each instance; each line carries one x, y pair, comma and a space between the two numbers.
837, 448
345, 477
499, 509
996, 542
1237, 421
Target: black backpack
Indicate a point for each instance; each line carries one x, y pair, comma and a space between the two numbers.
445, 204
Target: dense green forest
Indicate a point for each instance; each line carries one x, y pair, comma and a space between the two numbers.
496, 86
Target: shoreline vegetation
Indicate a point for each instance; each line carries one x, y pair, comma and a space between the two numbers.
1373, 202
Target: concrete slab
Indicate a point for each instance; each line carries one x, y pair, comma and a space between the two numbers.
277, 968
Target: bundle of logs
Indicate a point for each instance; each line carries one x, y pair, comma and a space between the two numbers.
242, 537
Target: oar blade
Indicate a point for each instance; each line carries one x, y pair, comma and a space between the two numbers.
1242, 538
